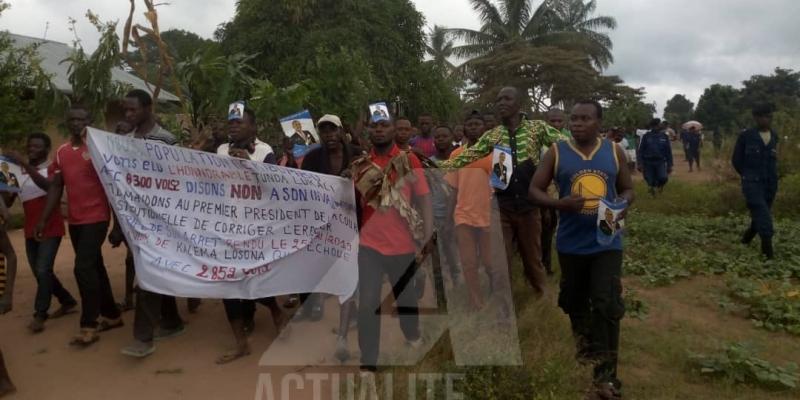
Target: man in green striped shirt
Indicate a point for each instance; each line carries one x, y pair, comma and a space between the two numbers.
519, 216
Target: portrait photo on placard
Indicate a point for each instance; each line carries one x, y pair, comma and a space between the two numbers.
10, 174
379, 112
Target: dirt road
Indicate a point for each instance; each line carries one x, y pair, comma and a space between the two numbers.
44, 367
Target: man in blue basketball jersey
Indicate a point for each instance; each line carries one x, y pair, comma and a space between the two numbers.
586, 170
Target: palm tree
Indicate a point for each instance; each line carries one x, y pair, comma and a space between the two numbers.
542, 50
576, 21
440, 48
564, 24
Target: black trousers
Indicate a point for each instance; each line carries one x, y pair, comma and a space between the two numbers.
549, 225
400, 270
152, 310
90, 272
591, 294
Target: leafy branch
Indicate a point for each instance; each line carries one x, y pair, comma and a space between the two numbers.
91, 76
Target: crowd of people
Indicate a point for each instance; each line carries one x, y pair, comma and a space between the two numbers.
440, 207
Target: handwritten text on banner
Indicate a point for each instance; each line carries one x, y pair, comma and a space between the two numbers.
202, 225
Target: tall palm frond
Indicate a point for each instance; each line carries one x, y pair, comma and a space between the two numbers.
440, 48
567, 24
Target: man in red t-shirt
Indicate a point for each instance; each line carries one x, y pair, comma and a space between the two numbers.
88, 220
41, 253
390, 239
424, 141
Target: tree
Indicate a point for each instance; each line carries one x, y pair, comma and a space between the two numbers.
679, 110
629, 110
717, 108
181, 45
564, 24
385, 35
27, 95
577, 29
541, 50
90, 76
781, 89
210, 82
440, 48
341, 82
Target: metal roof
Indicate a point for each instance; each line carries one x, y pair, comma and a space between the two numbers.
52, 53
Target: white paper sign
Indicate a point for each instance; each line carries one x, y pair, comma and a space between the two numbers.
209, 226
10, 175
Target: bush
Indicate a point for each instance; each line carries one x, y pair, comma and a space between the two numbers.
739, 363
662, 249
772, 305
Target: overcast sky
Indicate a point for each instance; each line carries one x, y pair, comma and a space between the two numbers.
666, 46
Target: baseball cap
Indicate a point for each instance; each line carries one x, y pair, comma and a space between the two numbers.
333, 119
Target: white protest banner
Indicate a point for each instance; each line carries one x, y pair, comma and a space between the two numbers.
207, 226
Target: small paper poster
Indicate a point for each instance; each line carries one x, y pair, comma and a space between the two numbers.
379, 112
299, 128
502, 167
609, 222
236, 111
10, 174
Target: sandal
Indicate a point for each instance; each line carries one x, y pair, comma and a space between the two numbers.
86, 338
108, 324
233, 355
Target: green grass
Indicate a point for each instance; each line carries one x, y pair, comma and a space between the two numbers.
685, 279
549, 371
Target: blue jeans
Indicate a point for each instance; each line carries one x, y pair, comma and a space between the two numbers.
655, 173
41, 257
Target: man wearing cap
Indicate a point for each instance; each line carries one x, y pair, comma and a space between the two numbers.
332, 158
755, 158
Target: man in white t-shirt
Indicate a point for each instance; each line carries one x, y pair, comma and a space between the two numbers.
244, 144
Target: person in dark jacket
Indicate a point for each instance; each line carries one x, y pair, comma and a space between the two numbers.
755, 158
332, 158
693, 142
655, 157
